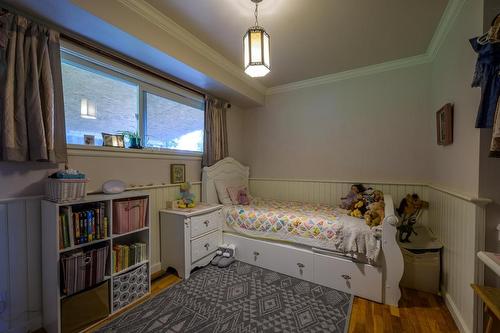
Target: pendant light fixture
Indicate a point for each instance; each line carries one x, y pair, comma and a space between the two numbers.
256, 48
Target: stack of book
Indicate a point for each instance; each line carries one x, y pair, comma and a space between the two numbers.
82, 226
125, 256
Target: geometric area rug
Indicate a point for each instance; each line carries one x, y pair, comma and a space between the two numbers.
241, 298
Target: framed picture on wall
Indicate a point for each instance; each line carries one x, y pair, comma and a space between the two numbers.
444, 125
177, 173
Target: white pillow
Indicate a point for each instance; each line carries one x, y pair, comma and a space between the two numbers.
221, 188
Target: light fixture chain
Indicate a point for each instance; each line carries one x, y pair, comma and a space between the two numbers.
256, 13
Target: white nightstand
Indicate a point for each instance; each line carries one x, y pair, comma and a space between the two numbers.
189, 237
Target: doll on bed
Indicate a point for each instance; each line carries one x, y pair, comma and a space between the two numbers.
352, 197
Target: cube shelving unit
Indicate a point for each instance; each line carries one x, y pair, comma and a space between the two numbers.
51, 253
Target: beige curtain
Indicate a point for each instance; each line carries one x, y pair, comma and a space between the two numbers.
215, 142
31, 99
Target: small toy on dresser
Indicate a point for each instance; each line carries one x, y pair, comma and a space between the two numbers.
409, 210
186, 198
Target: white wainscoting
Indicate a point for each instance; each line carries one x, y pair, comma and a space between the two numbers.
20, 251
323, 191
20, 265
457, 220
459, 223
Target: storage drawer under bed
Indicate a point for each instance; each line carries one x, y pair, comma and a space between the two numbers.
345, 275
328, 270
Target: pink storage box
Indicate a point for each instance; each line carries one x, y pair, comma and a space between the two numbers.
129, 215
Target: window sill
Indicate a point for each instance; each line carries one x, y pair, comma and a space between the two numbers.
146, 153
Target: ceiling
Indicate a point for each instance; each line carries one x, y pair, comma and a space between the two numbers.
311, 38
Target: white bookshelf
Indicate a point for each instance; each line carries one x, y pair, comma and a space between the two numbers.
51, 253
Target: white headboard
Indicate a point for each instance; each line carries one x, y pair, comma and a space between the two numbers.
223, 170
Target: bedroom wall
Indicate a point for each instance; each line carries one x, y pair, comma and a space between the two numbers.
457, 166
337, 123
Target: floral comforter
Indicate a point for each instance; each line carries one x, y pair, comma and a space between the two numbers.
316, 225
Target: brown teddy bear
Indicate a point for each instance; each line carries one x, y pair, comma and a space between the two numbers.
375, 213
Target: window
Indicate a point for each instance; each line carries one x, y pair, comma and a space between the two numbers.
104, 97
173, 125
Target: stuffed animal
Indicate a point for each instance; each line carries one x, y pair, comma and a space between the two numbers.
243, 198
371, 196
186, 198
359, 209
352, 197
375, 213
409, 210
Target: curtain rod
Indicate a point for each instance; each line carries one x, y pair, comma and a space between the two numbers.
101, 49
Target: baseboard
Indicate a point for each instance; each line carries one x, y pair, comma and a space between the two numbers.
455, 313
155, 268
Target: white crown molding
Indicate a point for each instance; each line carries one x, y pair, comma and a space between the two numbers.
449, 16
165, 23
350, 74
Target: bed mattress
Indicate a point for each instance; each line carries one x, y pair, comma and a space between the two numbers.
316, 225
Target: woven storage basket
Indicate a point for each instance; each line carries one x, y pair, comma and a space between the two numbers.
64, 190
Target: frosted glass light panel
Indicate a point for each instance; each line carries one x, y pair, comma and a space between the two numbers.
173, 125
256, 52
96, 102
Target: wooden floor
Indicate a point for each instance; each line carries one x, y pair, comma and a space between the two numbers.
418, 312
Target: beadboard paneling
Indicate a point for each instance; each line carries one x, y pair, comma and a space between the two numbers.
319, 191
20, 265
20, 255
459, 224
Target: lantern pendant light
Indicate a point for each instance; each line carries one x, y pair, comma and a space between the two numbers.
256, 48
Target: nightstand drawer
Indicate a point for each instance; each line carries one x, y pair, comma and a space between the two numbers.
205, 245
201, 224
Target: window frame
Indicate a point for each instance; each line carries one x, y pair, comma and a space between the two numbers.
147, 83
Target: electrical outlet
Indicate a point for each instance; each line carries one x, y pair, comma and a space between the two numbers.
3, 301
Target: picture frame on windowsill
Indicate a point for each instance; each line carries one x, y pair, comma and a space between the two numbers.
113, 140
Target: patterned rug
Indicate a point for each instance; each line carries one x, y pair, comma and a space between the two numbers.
242, 298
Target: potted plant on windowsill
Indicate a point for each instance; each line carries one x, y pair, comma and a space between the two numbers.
134, 139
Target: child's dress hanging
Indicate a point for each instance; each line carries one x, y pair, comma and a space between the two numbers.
487, 77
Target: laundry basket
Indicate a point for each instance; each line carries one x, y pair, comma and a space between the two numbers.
64, 190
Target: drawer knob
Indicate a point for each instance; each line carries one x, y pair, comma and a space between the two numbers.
346, 277
207, 246
206, 223
255, 253
301, 265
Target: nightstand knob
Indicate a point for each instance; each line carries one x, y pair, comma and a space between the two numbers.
301, 265
346, 277
206, 223
207, 246
255, 253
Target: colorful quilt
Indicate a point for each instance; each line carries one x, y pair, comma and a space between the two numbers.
316, 225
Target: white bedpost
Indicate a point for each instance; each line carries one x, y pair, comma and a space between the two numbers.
394, 265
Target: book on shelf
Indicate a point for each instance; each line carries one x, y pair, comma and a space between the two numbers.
81, 225
125, 256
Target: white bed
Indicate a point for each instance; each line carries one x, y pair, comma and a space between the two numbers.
331, 266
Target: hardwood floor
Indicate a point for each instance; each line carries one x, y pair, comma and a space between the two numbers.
418, 312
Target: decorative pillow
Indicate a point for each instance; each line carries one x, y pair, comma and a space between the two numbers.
234, 193
221, 189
